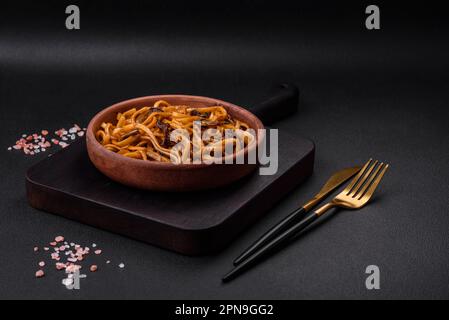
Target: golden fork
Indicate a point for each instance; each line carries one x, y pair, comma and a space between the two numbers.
360, 190
354, 196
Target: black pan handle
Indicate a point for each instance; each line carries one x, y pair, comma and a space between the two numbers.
283, 103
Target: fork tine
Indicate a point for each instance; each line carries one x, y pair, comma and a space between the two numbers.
376, 182
368, 182
362, 181
357, 177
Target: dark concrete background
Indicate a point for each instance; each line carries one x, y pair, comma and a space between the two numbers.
381, 94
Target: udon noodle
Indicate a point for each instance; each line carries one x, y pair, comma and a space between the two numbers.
166, 133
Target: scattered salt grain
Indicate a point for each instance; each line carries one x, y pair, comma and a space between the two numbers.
72, 268
70, 257
35, 143
40, 274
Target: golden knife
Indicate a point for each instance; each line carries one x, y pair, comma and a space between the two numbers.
336, 180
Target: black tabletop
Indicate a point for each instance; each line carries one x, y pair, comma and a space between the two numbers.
380, 94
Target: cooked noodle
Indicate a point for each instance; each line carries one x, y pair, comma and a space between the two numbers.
145, 133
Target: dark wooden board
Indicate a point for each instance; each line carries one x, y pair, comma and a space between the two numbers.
67, 184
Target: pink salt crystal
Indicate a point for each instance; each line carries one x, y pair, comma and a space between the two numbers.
61, 248
42, 264
36, 249
59, 239
97, 252
93, 268
40, 274
46, 249
44, 132
53, 244
60, 266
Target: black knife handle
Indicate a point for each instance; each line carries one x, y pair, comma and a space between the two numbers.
282, 104
275, 244
281, 226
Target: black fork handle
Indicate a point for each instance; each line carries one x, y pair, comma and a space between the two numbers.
275, 244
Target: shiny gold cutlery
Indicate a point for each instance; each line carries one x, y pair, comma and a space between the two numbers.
336, 180
354, 196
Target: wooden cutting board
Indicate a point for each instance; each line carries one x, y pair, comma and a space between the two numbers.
67, 184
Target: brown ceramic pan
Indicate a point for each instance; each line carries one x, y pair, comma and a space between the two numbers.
161, 176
